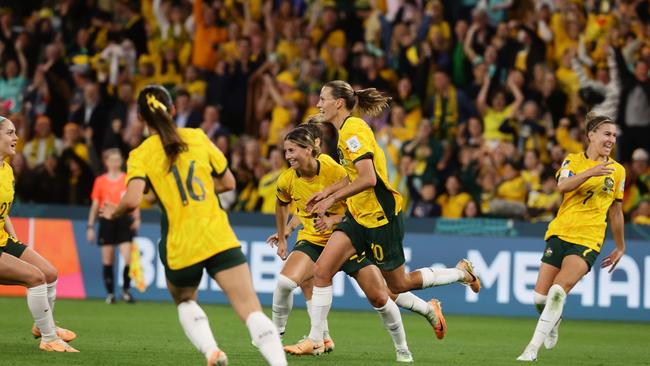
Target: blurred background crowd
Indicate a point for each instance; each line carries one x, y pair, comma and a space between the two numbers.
488, 95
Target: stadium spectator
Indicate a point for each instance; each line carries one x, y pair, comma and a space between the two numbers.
44, 143
453, 201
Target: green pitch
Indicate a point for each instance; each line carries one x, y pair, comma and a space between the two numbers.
149, 334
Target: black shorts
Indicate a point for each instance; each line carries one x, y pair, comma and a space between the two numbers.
557, 249
384, 243
116, 231
13, 247
191, 276
313, 251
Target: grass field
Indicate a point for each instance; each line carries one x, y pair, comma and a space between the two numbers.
149, 334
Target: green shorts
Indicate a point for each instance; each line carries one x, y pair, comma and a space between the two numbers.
557, 249
313, 251
13, 247
191, 276
384, 242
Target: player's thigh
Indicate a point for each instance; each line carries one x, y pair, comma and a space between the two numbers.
298, 267
32, 257
545, 278
398, 280
573, 269
108, 254
338, 250
181, 293
14, 271
372, 283
237, 284
125, 251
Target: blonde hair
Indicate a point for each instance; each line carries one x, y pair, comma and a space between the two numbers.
370, 101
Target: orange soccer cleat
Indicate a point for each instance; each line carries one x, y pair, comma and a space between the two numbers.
306, 347
65, 334
438, 322
328, 345
57, 345
218, 358
474, 283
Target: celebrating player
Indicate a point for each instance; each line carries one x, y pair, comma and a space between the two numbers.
311, 172
178, 164
373, 220
119, 233
592, 184
20, 265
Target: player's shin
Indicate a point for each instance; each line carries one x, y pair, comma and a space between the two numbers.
266, 338
392, 319
196, 326
282, 301
41, 312
440, 276
550, 316
321, 303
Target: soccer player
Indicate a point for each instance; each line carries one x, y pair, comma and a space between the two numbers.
119, 233
310, 172
592, 184
373, 220
20, 265
178, 165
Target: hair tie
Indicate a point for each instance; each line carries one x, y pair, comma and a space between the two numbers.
154, 103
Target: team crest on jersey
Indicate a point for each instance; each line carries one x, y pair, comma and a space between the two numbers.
548, 252
342, 160
609, 185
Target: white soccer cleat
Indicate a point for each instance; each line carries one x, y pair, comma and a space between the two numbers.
529, 355
404, 355
551, 340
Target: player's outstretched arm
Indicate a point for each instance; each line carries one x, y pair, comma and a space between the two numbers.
616, 221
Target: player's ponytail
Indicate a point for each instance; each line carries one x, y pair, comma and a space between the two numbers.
154, 107
370, 101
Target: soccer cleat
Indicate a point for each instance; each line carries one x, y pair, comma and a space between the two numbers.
551, 340
57, 345
65, 334
475, 282
218, 358
110, 299
127, 297
306, 347
529, 355
404, 355
438, 322
328, 345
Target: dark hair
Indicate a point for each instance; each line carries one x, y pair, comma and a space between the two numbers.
594, 121
313, 126
303, 137
154, 105
370, 101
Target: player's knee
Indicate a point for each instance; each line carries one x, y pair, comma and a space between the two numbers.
540, 301
556, 294
35, 278
377, 298
322, 273
50, 273
286, 284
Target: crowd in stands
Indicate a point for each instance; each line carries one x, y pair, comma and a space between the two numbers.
488, 95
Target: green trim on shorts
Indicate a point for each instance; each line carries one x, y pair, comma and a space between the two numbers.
313, 251
13, 247
191, 276
558, 249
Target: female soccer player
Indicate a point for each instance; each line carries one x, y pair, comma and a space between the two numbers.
310, 172
373, 220
20, 265
178, 164
119, 233
592, 184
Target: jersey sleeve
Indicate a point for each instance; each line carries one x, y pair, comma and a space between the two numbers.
218, 160
96, 192
357, 142
620, 187
283, 190
567, 169
136, 165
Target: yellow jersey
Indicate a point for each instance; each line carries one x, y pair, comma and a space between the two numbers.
194, 226
582, 217
374, 206
266, 190
294, 188
6, 198
452, 207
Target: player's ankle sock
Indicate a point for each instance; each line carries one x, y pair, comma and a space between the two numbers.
41, 312
550, 316
51, 294
440, 276
321, 301
392, 319
126, 278
109, 283
197, 327
407, 300
282, 301
266, 338
540, 301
